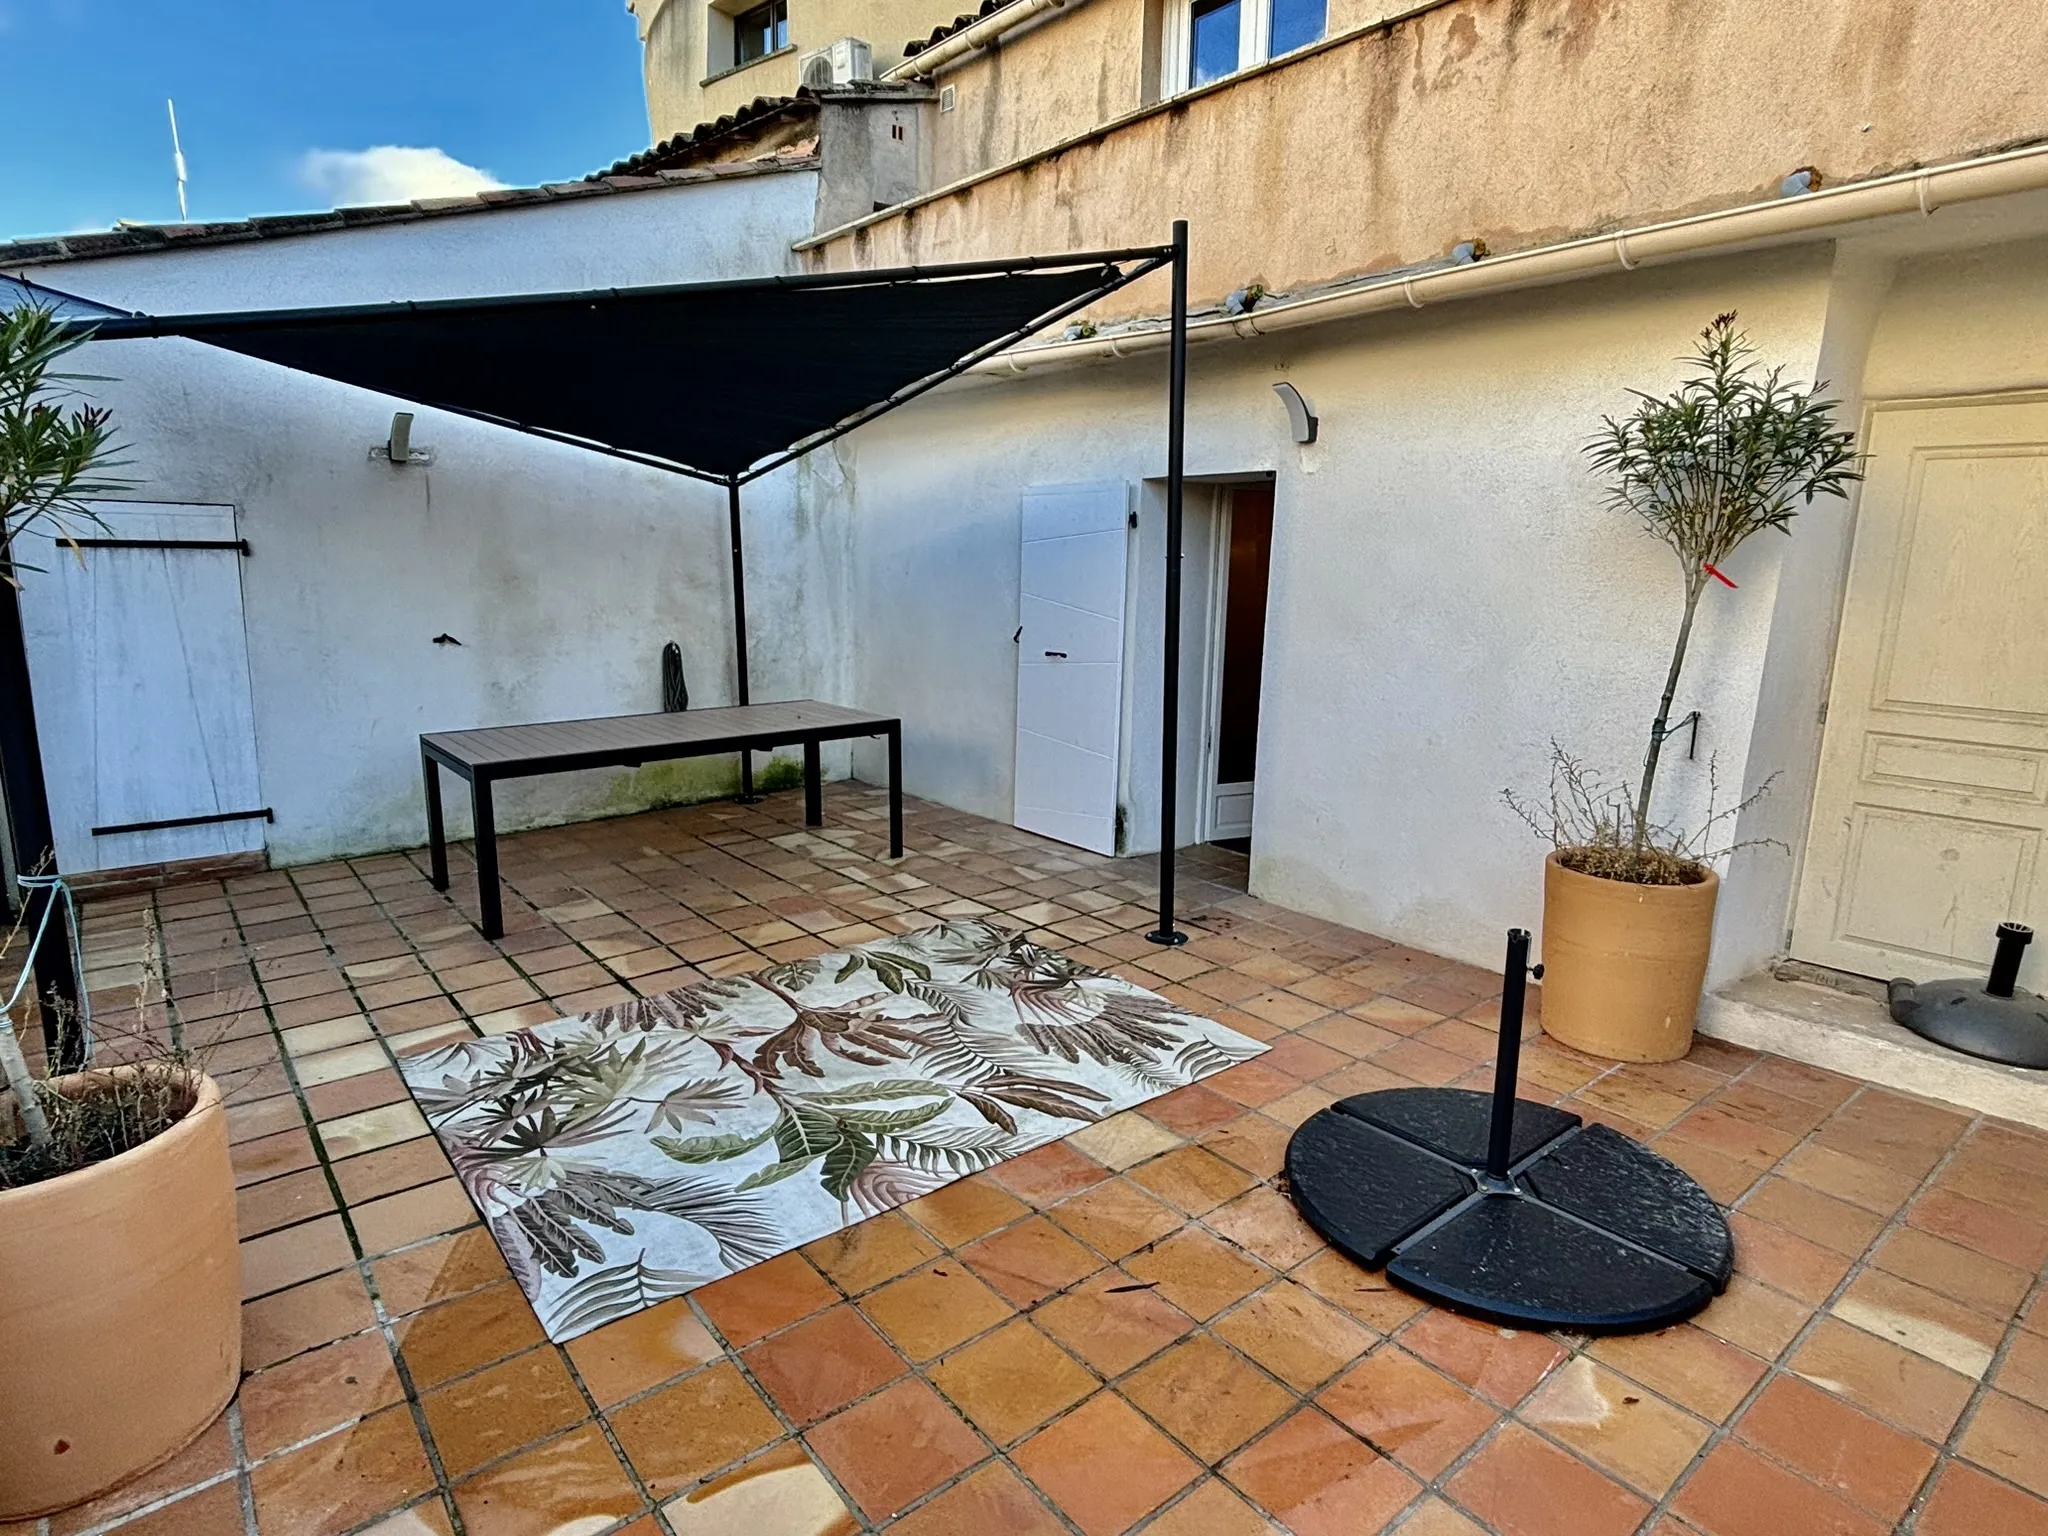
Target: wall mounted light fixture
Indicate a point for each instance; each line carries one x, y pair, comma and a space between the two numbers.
1301, 416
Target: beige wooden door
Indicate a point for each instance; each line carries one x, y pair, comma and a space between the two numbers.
1933, 795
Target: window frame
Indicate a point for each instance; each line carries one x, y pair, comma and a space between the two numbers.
777, 30
1254, 42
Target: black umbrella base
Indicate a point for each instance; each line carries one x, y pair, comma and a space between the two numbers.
1964, 1017
1589, 1232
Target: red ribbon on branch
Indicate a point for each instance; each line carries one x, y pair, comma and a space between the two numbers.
1717, 576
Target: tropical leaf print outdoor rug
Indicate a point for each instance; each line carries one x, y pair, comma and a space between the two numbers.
638, 1152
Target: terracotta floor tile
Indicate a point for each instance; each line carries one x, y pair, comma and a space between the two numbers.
1192, 1110
1049, 1174
1852, 1455
641, 1351
1193, 1180
933, 1309
571, 1483
2007, 1436
1524, 1486
1198, 1272
1434, 1517
365, 1130
895, 1447
2023, 1373
1691, 1367
1029, 1261
210, 1455
1012, 1381
1785, 1260
1295, 1334
993, 1500
279, 1259
501, 1409
699, 1425
397, 1221
1965, 1502
1254, 1143
429, 1517
1850, 1178
210, 1512
860, 1257
339, 1482
1988, 1284
1320, 1480
1502, 1363
1264, 1222
442, 1270
823, 1363
280, 1325
391, 1169
316, 1391
1112, 1321
965, 1210
1634, 1435
1124, 1140
474, 1330
1930, 1324
1722, 1177
1212, 1509
1983, 1228
758, 1300
781, 1490
1881, 1378
282, 1202
1104, 1466
1736, 1492
1367, 1295
1892, 1131
1207, 1397
1116, 1218
1753, 1317
1405, 1410
1820, 1218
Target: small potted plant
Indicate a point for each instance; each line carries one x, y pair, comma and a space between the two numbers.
1628, 901
120, 1280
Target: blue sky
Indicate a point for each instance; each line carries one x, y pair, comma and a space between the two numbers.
279, 101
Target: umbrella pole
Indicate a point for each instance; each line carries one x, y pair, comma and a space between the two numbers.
1169, 703
739, 629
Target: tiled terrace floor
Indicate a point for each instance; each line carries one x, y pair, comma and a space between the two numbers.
1127, 1330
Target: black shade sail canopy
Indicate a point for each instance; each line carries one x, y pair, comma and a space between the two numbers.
718, 379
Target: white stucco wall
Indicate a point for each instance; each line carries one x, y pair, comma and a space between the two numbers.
562, 572
1447, 592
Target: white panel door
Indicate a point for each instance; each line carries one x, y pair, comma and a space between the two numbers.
140, 665
1933, 795
1070, 662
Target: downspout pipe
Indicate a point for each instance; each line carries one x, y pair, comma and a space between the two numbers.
1780, 221
927, 62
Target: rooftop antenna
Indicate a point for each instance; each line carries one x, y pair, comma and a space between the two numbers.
178, 160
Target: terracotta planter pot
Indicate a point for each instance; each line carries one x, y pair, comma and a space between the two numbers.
120, 1314
1623, 964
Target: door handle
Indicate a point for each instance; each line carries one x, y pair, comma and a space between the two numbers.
1062, 655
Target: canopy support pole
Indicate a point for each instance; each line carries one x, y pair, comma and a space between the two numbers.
739, 629
1169, 702
28, 826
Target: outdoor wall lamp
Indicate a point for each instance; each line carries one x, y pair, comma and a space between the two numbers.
398, 448
1301, 416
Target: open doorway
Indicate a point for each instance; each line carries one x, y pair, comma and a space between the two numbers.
1245, 554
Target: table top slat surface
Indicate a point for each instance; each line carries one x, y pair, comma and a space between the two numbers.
705, 729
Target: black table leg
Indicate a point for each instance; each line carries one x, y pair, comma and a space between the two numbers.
896, 791
437, 836
489, 912
814, 785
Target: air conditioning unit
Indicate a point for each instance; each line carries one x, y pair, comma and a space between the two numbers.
841, 63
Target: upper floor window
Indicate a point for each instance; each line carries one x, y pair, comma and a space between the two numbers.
1220, 37
758, 32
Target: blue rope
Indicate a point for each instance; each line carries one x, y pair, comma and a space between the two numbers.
56, 883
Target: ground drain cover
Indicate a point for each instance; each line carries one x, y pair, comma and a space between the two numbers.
1509, 1210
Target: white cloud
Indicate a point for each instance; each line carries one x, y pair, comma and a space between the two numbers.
389, 173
